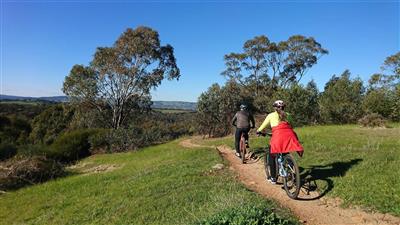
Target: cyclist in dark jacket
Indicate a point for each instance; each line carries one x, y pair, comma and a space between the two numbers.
243, 120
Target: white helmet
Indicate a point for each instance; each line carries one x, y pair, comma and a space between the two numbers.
279, 103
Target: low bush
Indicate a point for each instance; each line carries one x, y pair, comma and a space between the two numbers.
7, 151
21, 171
373, 120
124, 139
245, 215
34, 150
98, 141
72, 146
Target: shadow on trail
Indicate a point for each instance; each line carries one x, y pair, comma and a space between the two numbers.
323, 173
255, 155
259, 152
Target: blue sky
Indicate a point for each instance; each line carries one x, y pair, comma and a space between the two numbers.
42, 40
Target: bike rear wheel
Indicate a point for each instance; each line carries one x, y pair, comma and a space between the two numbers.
243, 149
291, 182
267, 164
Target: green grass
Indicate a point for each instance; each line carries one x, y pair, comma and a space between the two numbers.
359, 165
164, 184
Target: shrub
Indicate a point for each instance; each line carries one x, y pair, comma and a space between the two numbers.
21, 171
14, 129
71, 146
372, 120
341, 100
33, 150
244, 215
98, 141
125, 139
7, 151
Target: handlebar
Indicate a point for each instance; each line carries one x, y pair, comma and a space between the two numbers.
265, 134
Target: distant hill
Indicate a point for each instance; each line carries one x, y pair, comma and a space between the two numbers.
156, 104
174, 105
50, 98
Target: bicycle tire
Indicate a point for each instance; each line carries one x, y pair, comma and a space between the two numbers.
243, 149
267, 167
291, 182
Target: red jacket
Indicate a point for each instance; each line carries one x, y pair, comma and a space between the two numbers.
284, 139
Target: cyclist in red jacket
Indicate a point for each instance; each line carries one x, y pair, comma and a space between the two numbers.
284, 139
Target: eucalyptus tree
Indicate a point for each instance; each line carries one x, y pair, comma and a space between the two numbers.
392, 64
209, 115
120, 78
341, 101
281, 64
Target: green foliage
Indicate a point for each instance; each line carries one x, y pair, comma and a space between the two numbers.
23, 109
341, 100
396, 107
246, 215
7, 151
14, 129
52, 122
99, 142
373, 120
380, 101
392, 64
217, 106
144, 130
266, 66
120, 77
208, 108
30, 150
71, 146
302, 103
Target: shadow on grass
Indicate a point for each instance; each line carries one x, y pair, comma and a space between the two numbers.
324, 173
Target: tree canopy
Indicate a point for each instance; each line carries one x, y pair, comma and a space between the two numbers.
120, 78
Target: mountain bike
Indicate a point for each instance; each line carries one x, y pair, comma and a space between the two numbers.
285, 167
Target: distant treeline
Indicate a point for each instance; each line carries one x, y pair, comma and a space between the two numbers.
266, 71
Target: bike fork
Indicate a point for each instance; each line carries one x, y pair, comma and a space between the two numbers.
282, 171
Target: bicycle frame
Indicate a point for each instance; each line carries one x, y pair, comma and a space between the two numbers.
286, 167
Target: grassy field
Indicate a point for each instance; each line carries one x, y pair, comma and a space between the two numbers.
359, 165
164, 184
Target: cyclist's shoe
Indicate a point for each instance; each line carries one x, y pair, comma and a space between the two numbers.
237, 154
272, 180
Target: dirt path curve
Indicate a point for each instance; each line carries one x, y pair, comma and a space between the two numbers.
319, 211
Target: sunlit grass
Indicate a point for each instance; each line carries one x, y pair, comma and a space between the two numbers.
165, 184
359, 165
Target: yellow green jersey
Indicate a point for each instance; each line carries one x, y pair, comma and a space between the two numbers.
273, 120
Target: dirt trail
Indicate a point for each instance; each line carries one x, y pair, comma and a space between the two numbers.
310, 210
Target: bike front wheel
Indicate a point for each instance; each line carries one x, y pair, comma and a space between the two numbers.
291, 182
